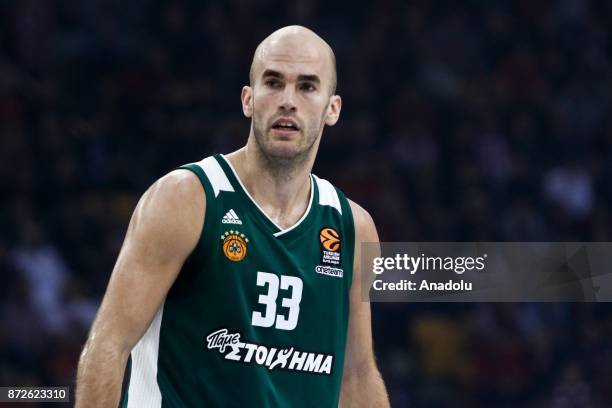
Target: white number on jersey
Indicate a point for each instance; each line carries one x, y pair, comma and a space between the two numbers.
269, 317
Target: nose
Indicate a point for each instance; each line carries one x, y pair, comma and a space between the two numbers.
287, 102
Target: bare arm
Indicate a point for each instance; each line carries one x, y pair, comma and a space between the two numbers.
163, 231
362, 385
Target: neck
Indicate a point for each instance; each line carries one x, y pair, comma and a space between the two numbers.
280, 187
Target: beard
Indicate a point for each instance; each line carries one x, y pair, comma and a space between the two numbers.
287, 152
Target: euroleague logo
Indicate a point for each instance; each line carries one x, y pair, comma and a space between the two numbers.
330, 239
330, 246
234, 245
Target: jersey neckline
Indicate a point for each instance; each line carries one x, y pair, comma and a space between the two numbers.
277, 230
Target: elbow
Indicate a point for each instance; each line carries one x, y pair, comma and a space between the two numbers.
361, 370
105, 347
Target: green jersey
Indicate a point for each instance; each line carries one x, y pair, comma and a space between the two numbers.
258, 315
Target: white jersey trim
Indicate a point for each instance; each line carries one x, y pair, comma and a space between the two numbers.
215, 174
143, 390
281, 231
328, 194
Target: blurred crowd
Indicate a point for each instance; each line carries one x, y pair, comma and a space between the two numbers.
469, 121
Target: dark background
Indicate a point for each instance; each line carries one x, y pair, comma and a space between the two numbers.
462, 121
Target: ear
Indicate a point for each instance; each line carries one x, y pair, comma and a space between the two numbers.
333, 110
247, 101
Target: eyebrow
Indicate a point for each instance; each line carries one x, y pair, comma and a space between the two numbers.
276, 74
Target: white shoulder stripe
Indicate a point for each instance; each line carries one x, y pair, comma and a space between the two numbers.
328, 194
215, 175
144, 390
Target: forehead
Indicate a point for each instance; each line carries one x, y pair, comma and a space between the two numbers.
290, 56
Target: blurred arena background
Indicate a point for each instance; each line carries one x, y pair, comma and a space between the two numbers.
470, 121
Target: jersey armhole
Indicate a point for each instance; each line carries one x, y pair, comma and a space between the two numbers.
349, 231
209, 214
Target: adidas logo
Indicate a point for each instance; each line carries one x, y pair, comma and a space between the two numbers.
231, 218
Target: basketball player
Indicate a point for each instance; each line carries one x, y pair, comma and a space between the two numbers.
238, 284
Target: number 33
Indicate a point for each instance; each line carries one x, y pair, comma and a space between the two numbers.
269, 318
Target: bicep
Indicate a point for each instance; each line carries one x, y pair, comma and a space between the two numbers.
163, 231
359, 352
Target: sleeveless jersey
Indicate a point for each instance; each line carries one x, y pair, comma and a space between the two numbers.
258, 315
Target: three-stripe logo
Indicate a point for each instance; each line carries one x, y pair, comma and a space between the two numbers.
231, 218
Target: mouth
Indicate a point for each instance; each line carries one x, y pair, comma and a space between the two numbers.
285, 126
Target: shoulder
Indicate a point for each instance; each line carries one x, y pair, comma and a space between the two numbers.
365, 229
180, 181
175, 202
178, 186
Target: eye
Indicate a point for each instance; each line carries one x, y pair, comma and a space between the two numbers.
307, 86
273, 83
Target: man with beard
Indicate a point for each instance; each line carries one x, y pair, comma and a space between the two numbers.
238, 283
